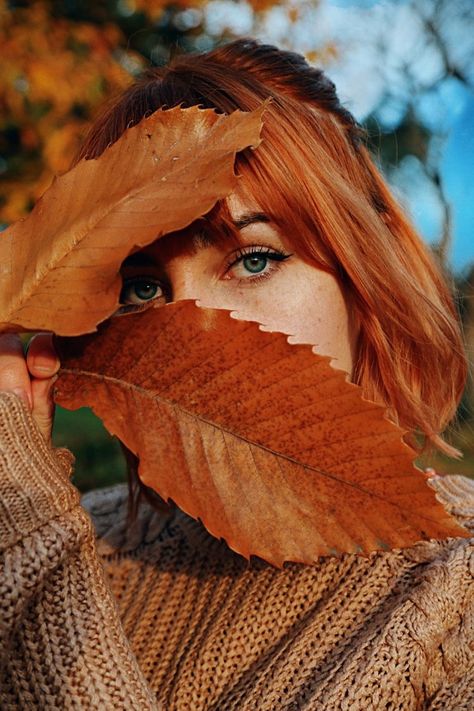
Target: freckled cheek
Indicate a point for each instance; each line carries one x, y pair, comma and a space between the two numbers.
251, 307
309, 305
274, 307
315, 314
218, 296
271, 303
327, 328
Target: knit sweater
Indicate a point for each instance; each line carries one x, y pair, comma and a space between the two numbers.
96, 614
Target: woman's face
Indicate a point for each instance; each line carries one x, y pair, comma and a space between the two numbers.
261, 280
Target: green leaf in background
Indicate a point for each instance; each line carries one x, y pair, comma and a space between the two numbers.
99, 458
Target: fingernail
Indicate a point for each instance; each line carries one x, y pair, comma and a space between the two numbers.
44, 363
23, 395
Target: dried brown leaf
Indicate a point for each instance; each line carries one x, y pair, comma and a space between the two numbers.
264, 441
59, 267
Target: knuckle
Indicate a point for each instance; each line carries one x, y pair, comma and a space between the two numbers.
10, 344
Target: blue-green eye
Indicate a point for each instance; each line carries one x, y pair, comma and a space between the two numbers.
255, 263
140, 289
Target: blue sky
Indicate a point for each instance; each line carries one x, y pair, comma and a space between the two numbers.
457, 170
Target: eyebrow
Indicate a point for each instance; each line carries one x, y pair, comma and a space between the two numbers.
203, 239
249, 218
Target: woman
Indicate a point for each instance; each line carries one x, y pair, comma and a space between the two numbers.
157, 613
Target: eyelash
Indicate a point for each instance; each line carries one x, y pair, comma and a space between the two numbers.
272, 254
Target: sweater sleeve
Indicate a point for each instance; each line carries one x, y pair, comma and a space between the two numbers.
62, 645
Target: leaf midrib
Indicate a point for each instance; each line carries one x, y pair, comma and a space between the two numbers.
147, 393
36, 283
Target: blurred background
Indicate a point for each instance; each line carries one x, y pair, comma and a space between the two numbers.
405, 68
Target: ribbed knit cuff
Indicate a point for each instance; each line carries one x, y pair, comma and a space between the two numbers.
34, 478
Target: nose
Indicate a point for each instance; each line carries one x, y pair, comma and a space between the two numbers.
190, 273
186, 284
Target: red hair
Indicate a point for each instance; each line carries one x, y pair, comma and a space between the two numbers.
313, 176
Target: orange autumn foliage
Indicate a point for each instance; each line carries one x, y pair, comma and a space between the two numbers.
55, 74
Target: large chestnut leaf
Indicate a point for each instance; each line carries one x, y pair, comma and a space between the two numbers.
60, 266
264, 441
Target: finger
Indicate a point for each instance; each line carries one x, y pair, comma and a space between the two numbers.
41, 357
43, 405
13, 369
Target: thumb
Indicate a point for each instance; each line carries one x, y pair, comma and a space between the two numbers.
43, 405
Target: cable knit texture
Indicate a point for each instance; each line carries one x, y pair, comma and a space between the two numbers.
161, 615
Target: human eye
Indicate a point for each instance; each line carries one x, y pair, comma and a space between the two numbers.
138, 290
254, 262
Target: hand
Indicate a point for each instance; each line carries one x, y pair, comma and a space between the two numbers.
31, 376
